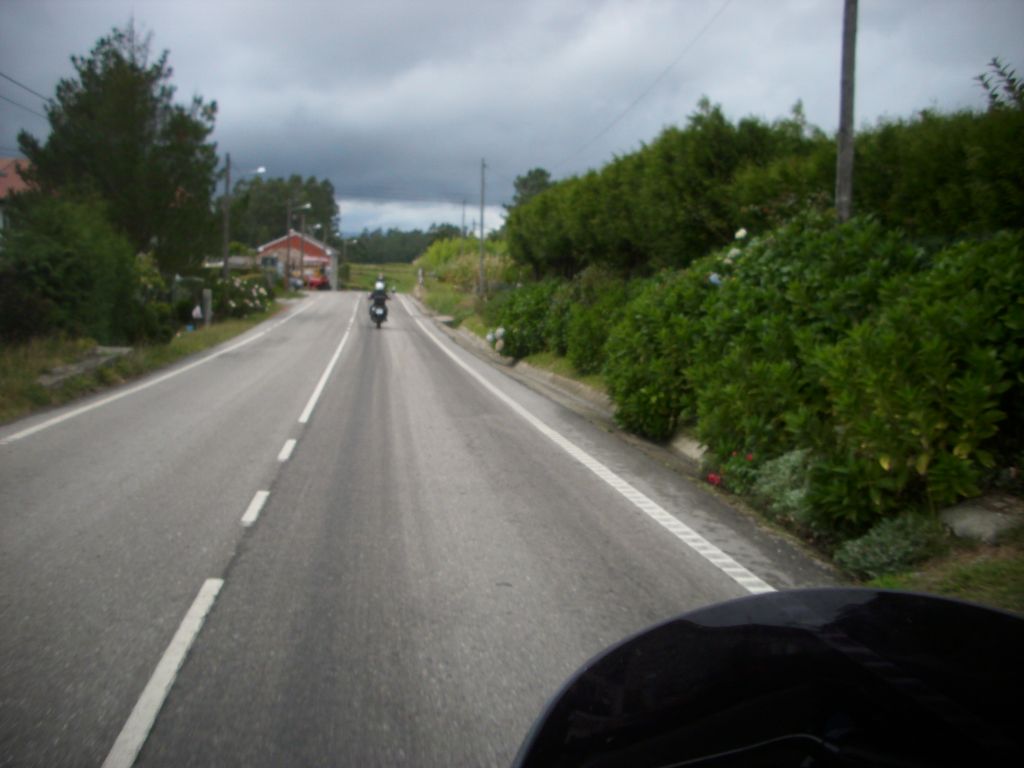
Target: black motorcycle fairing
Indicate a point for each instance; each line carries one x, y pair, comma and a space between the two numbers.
805, 677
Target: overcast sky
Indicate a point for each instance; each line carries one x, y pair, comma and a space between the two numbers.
397, 101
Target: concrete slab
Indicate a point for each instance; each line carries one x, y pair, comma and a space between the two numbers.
985, 518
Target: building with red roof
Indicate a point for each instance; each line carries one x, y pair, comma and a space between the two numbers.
11, 182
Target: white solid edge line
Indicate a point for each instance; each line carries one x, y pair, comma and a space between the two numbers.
315, 397
144, 385
286, 451
673, 525
252, 512
140, 722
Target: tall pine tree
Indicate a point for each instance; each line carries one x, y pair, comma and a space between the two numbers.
116, 133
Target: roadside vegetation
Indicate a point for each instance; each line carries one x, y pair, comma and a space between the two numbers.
850, 380
23, 367
987, 574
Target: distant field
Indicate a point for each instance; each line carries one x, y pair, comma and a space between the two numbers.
402, 276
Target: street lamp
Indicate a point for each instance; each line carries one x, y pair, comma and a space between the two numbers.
227, 210
288, 239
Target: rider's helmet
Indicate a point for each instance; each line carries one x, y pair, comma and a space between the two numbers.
379, 285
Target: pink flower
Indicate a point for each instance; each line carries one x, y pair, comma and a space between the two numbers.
714, 478
750, 457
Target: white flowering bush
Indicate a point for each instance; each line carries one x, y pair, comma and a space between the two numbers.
240, 296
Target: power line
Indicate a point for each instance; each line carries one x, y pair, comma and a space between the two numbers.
24, 87
725, 4
27, 109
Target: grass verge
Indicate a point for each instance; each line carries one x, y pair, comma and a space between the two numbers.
448, 300
21, 365
987, 574
549, 361
363, 276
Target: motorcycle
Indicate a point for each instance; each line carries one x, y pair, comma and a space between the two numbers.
378, 311
823, 677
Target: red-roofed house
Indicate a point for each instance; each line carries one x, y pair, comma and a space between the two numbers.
10, 182
304, 256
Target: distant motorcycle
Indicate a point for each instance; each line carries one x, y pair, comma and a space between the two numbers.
378, 303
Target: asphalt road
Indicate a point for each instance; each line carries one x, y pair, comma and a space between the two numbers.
439, 550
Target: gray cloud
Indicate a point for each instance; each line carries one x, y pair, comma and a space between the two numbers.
396, 101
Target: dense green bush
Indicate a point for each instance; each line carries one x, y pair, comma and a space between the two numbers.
65, 270
666, 205
780, 296
892, 373
944, 176
725, 343
937, 177
926, 395
600, 299
556, 326
522, 312
650, 350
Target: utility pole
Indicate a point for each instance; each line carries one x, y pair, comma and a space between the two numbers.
292, 210
844, 154
463, 218
227, 217
302, 247
483, 167
288, 245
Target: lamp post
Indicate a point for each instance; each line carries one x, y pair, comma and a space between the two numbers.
227, 210
288, 239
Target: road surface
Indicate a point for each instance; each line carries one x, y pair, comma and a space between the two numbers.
328, 544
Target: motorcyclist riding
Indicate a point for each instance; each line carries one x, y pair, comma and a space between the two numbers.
379, 296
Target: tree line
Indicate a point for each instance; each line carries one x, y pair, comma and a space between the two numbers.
936, 176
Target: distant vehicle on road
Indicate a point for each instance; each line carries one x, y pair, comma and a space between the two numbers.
317, 282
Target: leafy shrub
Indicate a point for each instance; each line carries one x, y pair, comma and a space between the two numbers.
894, 544
522, 312
600, 297
944, 176
156, 321
65, 270
556, 326
921, 392
781, 486
649, 351
240, 296
457, 261
780, 297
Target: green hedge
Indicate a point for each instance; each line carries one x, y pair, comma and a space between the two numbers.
898, 373
937, 177
891, 372
926, 395
63, 269
523, 313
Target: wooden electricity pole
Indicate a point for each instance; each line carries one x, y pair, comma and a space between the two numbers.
482, 287
844, 159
